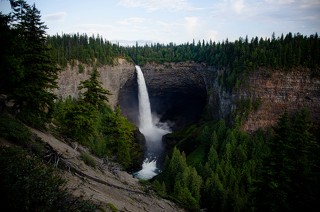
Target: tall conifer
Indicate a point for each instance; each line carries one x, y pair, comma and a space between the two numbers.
34, 76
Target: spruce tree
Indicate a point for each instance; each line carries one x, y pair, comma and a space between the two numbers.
34, 76
94, 94
274, 178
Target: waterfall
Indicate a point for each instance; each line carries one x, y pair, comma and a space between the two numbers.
150, 129
145, 117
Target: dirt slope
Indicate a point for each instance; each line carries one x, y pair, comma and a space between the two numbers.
105, 183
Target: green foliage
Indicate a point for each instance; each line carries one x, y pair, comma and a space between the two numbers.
197, 156
105, 132
88, 159
160, 188
27, 72
276, 170
13, 130
91, 122
112, 207
289, 177
219, 173
77, 120
94, 94
119, 135
81, 68
84, 48
27, 184
244, 107
185, 188
237, 58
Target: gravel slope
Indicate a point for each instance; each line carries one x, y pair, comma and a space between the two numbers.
105, 183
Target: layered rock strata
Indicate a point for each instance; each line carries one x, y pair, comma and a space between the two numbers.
280, 90
180, 93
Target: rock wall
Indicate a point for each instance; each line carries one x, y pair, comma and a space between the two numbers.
278, 91
177, 92
111, 77
220, 101
180, 93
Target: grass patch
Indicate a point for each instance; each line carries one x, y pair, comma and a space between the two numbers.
88, 159
112, 207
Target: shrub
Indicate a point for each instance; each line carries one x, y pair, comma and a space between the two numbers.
112, 207
28, 184
14, 130
81, 68
88, 159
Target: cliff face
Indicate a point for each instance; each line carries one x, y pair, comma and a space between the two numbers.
111, 77
278, 91
181, 92
177, 92
182, 89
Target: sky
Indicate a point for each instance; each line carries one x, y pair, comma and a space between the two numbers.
177, 21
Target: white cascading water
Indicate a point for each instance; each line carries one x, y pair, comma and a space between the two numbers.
152, 133
145, 117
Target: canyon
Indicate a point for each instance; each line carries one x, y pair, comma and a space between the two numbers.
182, 93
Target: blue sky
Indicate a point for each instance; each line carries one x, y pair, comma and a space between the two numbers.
178, 21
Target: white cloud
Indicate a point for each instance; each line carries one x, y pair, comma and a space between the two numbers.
238, 6
94, 29
55, 16
229, 8
191, 24
132, 21
153, 5
310, 4
279, 1
212, 35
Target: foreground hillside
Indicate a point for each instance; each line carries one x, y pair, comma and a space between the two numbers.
101, 182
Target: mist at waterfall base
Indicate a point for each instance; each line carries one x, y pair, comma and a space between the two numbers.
151, 128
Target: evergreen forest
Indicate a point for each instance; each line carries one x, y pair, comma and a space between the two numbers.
214, 166
238, 58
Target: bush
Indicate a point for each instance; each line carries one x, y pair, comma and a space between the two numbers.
81, 68
14, 130
88, 159
27, 184
112, 207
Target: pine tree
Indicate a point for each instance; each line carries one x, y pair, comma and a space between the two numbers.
34, 79
94, 93
304, 192
274, 180
9, 62
289, 178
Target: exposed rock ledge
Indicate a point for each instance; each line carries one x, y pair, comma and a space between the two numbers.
105, 183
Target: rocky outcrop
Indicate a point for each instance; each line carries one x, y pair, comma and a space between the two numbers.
280, 90
111, 77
